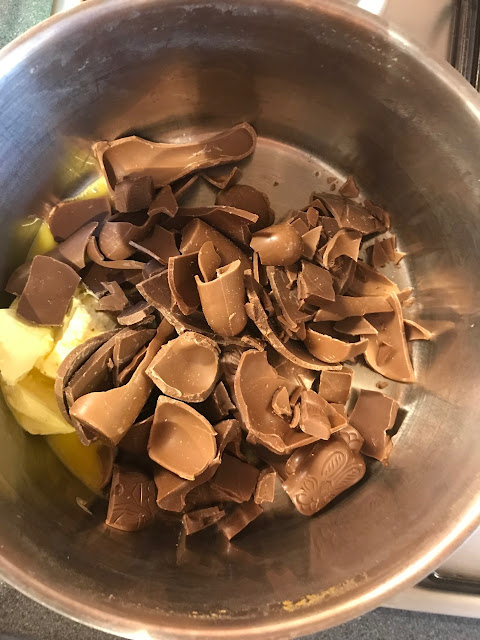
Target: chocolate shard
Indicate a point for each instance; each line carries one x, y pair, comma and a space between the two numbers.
68, 217
231, 222
186, 368
181, 187
197, 232
239, 518
115, 300
255, 384
344, 243
287, 369
48, 291
200, 519
117, 233
208, 261
329, 349
135, 441
223, 300
265, 489
378, 255
110, 414
382, 216
133, 194
247, 198
278, 245
311, 240
387, 351
97, 257
299, 225
135, 313
315, 285
221, 177
347, 306
127, 343
373, 415
160, 245
132, 500
355, 326
218, 404
133, 156
177, 428
164, 202
328, 470
281, 403
123, 376
172, 491
349, 189
351, 215
235, 479
367, 281
335, 385
415, 331
286, 297
313, 418
182, 271
351, 436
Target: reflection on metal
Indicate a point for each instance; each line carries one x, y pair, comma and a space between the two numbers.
454, 584
373, 6
465, 51
63, 5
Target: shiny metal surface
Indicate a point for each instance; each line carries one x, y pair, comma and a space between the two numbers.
330, 90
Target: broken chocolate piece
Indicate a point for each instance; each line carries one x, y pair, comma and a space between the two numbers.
343, 243
355, 326
311, 240
239, 518
378, 255
221, 178
172, 490
200, 519
135, 441
347, 306
313, 418
165, 163
281, 403
351, 215
128, 343
133, 194
134, 314
132, 500
70, 216
243, 196
96, 256
415, 331
328, 470
286, 298
164, 202
48, 292
379, 213
186, 368
367, 281
299, 225
329, 349
120, 230
197, 232
235, 479
160, 245
181, 439
115, 300
231, 222
315, 285
223, 300
335, 385
278, 245
208, 261
182, 187
265, 489
218, 404
374, 414
349, 189
182, 271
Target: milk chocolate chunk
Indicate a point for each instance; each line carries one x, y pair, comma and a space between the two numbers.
235, 479
355, 326
299, 225
415, 331
311, 240
128, 343
281, 403
223, 300
200, 519
239, 518
160, 245
132, 500
286, 298
314, 284
110, 414
374, 414
182, 271
135, 441
387, 351
278, 245
329, 469
221, 177
255, 384
164, 202
68, 217
115, 300
208, 261
329, 349
186, 368
97, 257
351, 215
123, 376
367, 281
287, 369
218, 404
181, 439
231, 222
351, 436
243, 196
265, 489
172, 490
133, 194
165, 163
347, 306
120, 230
313, 418
349, 189
378, 255
197, 232
135, 313
48, 291
335, 385
344, 243
382, 216
329, 225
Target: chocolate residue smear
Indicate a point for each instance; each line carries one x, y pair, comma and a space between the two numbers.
232, 378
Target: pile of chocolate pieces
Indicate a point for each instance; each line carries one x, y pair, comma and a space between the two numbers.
228, 365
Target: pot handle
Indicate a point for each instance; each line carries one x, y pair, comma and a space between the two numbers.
465, 47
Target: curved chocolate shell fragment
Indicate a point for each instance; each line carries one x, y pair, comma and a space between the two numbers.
367, 281
239, 518
132, 500
292, 350
328, 470
208, 261
48, 291
221, 177
165, 163
278, 245
315, 285
110, 414
68, 217
115, 300
415, 331
186, 368
233, 223
181, 439
355, 326
136, 313
135, 441
317, 417
197, 232
347, 306
133, 194
287, 369
387, 351
120, 230
128, 343
344, 243
159, 245
311, 240
374, 414
164, 202
182, 273
243, 196
223, 300
286, 297
96, 256
235, 479
351, 215
329, 349
255, 384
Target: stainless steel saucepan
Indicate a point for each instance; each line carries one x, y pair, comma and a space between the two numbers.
329, 89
